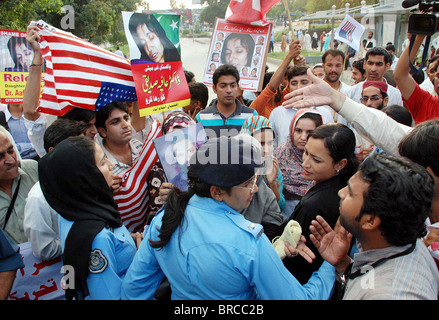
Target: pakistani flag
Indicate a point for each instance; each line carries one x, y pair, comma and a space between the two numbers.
152, 37
171, 25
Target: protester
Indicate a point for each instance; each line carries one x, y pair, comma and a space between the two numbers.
206, 248
40, 223
385, 196
16, 179
376, 62
269, 98
374, 94
329, 161
281, 117
269, 201
427, 84
419, 144
94, 240
199, 97
225, 115
290, 156
318, 71
358, 72
13, 114
422, 104
36, 122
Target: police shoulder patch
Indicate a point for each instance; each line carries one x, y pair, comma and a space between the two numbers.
98, 262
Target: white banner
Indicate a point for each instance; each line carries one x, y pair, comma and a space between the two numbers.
38, 280
350, 32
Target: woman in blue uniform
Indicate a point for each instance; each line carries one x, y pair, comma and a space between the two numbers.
76, 180
205, 247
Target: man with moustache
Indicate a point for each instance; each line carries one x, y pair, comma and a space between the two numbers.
384, 207
333, 61
374, 94
16, 179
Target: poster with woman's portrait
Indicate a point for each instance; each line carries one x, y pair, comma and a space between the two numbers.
158, 74
175, 150
16, 56
241, 46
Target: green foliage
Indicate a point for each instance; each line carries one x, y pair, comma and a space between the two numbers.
215, 8
97, 21
17, 14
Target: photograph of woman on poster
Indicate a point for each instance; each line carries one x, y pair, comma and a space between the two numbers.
21, 53
238, 50
151, 39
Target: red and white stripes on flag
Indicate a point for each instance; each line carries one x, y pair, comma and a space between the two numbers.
250, 12
350, 32
133, 198
77, 70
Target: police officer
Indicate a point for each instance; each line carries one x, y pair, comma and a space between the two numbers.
205, 247
76, 180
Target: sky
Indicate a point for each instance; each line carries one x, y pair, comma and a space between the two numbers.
164, 4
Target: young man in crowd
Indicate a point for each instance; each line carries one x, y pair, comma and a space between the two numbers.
226, 114
376, 62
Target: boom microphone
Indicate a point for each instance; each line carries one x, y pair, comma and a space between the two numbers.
410, 3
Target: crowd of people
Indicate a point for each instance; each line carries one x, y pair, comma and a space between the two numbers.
352, 169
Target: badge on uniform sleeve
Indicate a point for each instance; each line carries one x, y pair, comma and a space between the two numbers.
98, 262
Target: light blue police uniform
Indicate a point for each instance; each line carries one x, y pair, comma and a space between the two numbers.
217, 254
112, 253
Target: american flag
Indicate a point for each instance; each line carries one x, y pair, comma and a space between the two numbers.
80, 74
350, 32
133, 198
249, 11
346, 30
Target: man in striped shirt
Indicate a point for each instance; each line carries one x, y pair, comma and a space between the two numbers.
114, 126
225, 116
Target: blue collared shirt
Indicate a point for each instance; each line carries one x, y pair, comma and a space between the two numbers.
217, 254
111, 255
19, 132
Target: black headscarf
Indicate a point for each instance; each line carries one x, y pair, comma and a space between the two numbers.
75, 188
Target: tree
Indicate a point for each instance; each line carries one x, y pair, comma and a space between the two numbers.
215, 8
17, 14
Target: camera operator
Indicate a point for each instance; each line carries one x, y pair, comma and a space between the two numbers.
421, 103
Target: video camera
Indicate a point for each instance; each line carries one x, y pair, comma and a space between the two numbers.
427, 22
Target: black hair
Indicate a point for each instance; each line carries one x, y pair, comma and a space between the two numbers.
340, 141
334, 53
317, 119
399, 113
199, 92
391, 47
400, 193
12, 43
225, 70
60, 130
103, 113
170, 51
80, 114
247, 42
296, 71
85, 145
421, 145
189, 76
359, 64
175, 208
378, 51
